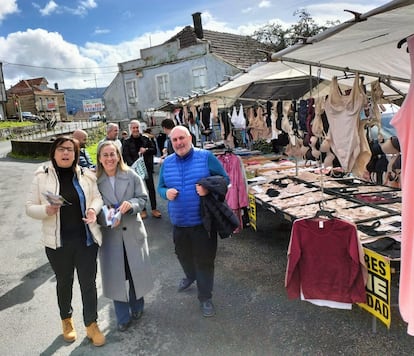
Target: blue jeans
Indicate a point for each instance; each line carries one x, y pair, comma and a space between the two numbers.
123, 310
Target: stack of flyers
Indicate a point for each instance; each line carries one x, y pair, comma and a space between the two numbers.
111, 215
54, 199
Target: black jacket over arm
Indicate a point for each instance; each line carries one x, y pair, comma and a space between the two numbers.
217, 215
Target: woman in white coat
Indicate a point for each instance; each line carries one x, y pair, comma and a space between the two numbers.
124, 254
70, 233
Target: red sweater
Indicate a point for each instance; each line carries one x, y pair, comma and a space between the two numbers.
325, 262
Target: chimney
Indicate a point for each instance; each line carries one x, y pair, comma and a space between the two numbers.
56, 86
198, 27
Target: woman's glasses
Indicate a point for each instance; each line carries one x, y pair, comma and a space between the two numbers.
62, 149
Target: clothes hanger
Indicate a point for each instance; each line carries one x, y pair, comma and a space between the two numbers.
401, 42
228, 150
322, 213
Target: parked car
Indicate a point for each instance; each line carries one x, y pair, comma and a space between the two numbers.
27, 115
95, 117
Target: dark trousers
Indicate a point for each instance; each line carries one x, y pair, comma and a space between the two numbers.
151, 190
64, 260
196, 252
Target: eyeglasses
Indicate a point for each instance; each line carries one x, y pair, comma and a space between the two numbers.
62, 149
107, 155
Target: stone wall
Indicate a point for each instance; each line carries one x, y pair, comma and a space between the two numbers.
31, 148
40, 147
14, 132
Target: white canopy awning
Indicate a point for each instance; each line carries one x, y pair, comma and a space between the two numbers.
367, 44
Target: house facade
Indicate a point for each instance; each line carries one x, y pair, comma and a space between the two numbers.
3, 96
33, 95
189, 63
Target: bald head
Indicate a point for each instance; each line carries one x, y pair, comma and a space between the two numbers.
81, 136
181, 140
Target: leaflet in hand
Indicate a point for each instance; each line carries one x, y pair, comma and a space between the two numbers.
54, 199
111, 215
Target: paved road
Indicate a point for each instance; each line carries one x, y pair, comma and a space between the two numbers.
5, 148
254, 317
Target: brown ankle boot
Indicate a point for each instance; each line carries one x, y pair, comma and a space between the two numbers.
96, 336
69, 332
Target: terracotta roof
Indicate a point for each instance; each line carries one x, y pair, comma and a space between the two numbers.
241, 51
29, 86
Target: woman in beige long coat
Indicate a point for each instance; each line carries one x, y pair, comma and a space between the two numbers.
124, 254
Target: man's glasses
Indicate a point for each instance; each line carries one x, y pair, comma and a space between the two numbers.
62, 149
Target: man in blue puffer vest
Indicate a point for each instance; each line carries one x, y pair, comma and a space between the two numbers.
195, 247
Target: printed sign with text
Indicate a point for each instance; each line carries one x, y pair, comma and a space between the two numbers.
378, 287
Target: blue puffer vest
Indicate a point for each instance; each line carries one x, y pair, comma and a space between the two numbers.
183, 173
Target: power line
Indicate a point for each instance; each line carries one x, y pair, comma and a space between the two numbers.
63, 69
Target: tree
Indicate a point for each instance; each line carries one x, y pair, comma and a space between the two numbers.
273, 35
277, 38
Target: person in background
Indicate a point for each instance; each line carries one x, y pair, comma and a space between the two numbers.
124, 254
195, 247
124, 136
112, 131
70, 233
167, 125
193, 137
135, 145
148, 133
84, 158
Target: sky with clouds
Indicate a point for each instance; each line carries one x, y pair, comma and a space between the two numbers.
77, 42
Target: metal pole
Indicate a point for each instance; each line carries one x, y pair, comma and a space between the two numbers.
96, 86
345, 69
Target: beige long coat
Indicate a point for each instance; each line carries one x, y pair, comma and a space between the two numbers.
46, 179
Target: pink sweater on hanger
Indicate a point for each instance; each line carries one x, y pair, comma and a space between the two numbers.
403, 121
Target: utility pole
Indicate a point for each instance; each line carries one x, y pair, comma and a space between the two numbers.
96, 84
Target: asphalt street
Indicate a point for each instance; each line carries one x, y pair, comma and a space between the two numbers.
254, 316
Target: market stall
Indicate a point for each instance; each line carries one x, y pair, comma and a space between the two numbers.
348, 71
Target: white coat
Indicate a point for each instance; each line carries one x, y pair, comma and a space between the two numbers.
46, 179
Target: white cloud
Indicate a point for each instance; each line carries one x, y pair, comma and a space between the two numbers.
82, 7
247, 10
211, 23
88, 4
39, 53
248, 28
49, 9
324, 12
101, 31
8, 7
45, 54
265, 4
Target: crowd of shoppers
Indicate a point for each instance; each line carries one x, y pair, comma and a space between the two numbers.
90, 209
